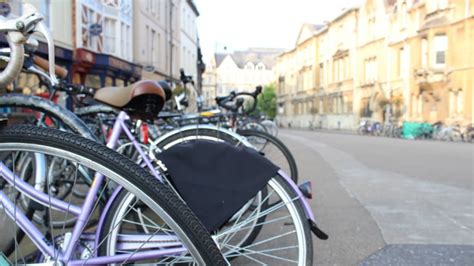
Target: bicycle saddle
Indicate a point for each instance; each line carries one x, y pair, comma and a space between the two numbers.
143, 99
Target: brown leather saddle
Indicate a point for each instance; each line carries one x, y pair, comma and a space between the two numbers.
143, 99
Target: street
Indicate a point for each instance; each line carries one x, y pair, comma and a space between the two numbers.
388, 201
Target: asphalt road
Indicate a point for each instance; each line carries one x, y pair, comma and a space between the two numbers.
388, 201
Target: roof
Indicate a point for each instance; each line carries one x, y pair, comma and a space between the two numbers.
267, 56
219, 57
344, 13
433, 23
317, 27
193, 7
313, 30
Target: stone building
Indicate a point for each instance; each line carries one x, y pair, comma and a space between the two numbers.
167, 33
103, 42
297, 73
338, 69
239, 71
391, 60
316, 79
442, 67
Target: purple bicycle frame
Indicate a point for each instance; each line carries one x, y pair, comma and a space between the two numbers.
82, 213
120, 125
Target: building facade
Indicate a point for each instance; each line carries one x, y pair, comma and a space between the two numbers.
316, 79
60, 29
238, 71
117, 42
338, 69
189, 38
103, 43
298, 80
168, 33
388, 61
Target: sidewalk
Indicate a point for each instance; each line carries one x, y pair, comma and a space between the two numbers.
323, 130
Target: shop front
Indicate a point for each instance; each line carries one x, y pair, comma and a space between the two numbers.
102, 70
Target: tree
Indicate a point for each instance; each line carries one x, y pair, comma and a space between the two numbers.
267, 101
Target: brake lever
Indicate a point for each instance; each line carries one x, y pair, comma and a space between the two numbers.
42, 29
28, 22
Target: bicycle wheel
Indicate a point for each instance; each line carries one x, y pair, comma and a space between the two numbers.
38, 111
181, 224
274, 150
253, 125
271, 127
270, 229
99, 119
55, 116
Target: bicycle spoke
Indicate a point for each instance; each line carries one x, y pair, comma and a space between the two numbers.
138, 248
262, 223
110, 232
263, 252
69, 204
266, 212
270, 239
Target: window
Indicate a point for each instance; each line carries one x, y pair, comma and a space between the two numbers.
370, 70
365, 108
110, 35
401, 62
147, 36
321, 74
154, 51
125, 39
456, 103
44, 9
440, 46
424, 52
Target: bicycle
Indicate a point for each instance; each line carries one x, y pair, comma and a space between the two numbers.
255, 212
181, 232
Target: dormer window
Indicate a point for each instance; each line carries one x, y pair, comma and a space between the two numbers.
249, 66
260, 66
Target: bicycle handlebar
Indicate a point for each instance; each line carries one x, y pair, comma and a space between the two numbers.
184, 78
223, 101
44, 64
76, 89
15, 62
17, 32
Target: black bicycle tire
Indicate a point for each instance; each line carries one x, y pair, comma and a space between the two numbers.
280, 145
59, 113
69, 119
135, 174
301, 213
93, 111
226, 137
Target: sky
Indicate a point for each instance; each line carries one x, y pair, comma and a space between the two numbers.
240, 24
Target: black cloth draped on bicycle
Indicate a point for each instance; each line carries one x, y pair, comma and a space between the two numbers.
216, 179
